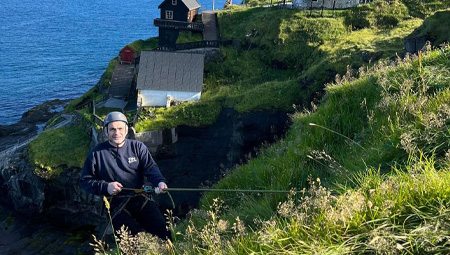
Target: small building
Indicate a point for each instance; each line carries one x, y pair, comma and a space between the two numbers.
176, 16
127, 55
179, 10
327, 4
169, 76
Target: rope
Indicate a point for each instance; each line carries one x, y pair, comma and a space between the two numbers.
150, 189
227, 190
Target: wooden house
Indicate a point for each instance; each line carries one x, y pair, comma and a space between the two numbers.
127, 55
179, 10
167, 76
176, 16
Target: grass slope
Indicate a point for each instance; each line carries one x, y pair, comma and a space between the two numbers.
286, 57
372, 170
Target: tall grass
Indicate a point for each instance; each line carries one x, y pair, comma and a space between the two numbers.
371, 174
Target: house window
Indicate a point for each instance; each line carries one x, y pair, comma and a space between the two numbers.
169, 14
174, 2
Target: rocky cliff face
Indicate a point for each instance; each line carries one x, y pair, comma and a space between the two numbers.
202, 155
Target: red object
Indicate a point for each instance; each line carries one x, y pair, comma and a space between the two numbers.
127, 55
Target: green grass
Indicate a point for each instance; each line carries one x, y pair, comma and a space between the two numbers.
370, 162
371, 174
424, 8
196, 114
379, 190
432, 28
58, 149
287, 59
140, 45
186, 37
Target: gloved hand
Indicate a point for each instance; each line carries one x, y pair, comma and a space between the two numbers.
161, 187
114, 188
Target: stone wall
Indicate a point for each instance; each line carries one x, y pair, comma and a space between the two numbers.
153, 139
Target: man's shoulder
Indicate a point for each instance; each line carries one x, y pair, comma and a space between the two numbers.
138, 145
101, 146
135, 143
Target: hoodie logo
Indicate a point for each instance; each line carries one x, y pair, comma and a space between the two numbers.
131, 160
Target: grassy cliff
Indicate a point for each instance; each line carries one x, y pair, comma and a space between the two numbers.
370, 167
287, 56
369, 159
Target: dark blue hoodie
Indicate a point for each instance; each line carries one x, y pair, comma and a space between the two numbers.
128, 165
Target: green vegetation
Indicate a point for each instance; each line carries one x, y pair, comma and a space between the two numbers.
286, 56
57, 149
369, 159
423, 8
141, 45
381, 14
432, 27
195, 114
186, 37
370, 166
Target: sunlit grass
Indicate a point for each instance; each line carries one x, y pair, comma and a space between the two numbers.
58, 149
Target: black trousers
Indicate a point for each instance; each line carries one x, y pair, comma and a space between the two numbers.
140, 214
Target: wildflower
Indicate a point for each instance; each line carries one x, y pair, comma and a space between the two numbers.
222, 225
239, 227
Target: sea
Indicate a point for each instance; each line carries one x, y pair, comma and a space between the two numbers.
58, 49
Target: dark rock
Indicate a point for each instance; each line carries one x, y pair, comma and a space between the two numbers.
416, 41
202, 155
17, 129
414, 44
43, 112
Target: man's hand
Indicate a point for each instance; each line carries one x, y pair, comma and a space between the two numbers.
114, 188
161, 187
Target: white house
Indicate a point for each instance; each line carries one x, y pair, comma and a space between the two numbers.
169, 76
327, 4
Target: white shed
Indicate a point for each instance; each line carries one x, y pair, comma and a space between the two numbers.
167, 76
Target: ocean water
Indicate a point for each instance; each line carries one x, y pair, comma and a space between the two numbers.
58, 49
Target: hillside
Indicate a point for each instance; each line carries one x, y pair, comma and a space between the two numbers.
370, 166
367, 151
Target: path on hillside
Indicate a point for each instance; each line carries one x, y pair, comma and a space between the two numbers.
121, 81
209, 19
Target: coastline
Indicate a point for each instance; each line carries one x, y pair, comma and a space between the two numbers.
30, 124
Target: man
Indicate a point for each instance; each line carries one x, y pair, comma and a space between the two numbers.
119, 164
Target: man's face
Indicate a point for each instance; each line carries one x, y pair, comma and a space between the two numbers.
117, 132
